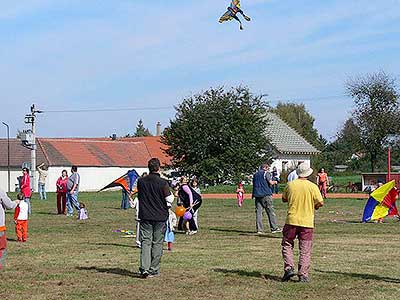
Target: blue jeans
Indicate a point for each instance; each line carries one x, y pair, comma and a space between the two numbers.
125, 201
28, 200
42, 191
72, 202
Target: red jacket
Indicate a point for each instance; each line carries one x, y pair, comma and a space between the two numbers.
62, 185
26, 186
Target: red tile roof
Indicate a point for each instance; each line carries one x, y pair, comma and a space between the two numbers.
90, 152
18, 154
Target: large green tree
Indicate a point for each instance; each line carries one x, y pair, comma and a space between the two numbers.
218, 135
376, 113
297, 117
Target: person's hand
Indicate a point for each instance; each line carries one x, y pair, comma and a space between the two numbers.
17, 201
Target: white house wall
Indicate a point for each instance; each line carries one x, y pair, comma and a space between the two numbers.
289, 162
92, 178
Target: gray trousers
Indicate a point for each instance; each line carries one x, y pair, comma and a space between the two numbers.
261, 204
151, 238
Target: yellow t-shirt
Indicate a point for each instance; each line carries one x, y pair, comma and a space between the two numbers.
302, 195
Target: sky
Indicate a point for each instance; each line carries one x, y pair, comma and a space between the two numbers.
144, 57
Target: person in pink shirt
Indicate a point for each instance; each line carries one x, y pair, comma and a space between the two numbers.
62, 192
25, 186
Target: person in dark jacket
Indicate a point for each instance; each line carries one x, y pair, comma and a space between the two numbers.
262, 193
153, 214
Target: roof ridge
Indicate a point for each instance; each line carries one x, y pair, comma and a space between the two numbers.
44, 151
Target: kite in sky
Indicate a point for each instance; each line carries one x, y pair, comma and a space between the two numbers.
381, 203
230, 14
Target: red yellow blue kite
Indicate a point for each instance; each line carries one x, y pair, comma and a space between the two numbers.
381, 203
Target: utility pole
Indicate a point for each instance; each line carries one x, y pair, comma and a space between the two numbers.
8, 154
30, 119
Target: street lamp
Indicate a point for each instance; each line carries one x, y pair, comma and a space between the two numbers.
8, 153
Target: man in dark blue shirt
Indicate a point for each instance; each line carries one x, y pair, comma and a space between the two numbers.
262, 193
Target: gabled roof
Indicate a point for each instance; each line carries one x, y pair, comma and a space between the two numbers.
18, 154
86, 152
94, 152
154, 146
285, 139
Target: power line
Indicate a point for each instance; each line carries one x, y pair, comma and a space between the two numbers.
272, 99
107, 109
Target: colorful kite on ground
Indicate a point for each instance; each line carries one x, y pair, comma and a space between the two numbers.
230, 14
381, 203
127, 181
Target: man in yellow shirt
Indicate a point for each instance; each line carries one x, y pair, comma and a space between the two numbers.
303, 198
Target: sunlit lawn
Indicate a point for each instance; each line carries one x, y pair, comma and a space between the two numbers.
69, 259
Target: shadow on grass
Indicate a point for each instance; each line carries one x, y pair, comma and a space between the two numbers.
232, 230
247, 233
363, 276
114, 244
11, 240
245, 273
46, 213
117, 271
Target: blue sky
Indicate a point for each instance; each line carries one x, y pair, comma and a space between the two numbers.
70, 55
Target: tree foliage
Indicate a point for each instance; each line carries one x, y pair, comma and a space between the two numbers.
297, 117
376, 113
141, 130
218, 135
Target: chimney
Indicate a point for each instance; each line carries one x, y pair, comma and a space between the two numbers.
114, 137
158, 129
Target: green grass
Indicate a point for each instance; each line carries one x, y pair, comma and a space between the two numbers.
69, 259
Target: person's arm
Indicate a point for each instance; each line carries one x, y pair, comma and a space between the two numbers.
76, 180
187, 190
318, 200
285, 197
267, 177
7, 202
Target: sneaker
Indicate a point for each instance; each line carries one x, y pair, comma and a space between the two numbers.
260, 232
304, 279
144, 275
154, 275
192, 232
289, 273
277, 230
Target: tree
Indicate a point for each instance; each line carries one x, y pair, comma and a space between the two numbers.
376, 112
218, 135
141, 130
297, 117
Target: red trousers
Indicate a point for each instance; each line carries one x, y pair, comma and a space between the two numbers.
3, 246
61, 203
305, 236
21, 228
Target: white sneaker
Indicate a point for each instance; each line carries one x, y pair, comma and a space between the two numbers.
192, 232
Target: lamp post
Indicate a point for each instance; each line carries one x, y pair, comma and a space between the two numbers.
8, 153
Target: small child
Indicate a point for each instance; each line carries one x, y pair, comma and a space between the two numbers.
171, 223
240, 194
21, 219
83, 215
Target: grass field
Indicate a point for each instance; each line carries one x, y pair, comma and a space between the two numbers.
69, 259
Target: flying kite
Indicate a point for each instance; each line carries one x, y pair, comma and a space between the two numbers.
127, 181
230, 14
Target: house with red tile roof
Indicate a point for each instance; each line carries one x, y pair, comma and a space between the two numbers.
99, 160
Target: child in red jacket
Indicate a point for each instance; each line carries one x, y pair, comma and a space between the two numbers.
21, 219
